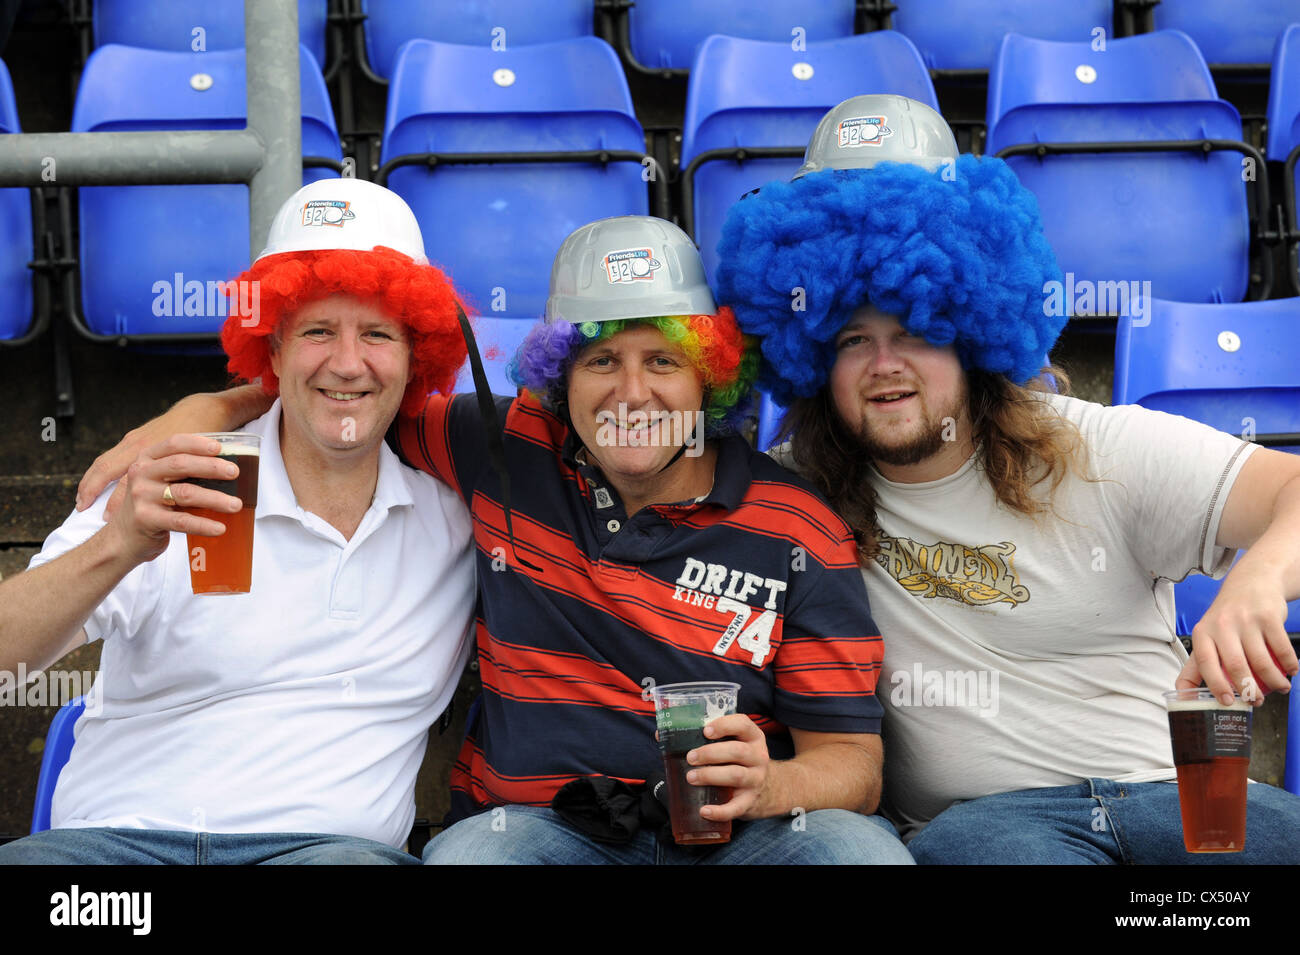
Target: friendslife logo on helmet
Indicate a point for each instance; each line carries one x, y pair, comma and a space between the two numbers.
862, 131
651, 429
327, 212
631, 265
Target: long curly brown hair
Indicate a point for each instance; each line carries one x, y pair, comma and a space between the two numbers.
1022, 444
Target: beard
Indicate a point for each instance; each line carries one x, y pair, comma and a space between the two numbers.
925, 438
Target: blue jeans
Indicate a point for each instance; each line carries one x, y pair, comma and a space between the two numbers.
176, 847
1100, 822
530, 835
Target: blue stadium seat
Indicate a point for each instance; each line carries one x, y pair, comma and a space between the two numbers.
1284, 95
171, 24
58, 747
15, 234
769, 421
133, 237
1284, 124
1179, 219
1230, 366
1291, 773
961, 35
496, 227
498, 339
1246, 34
666, 34
390, 23
758, 94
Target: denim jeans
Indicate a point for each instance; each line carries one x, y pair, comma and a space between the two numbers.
1100, 822
176, 847
530, 835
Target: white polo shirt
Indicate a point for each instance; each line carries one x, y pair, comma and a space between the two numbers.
303, 706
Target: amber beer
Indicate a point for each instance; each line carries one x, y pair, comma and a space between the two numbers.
224, 565
1211, 744
681, 712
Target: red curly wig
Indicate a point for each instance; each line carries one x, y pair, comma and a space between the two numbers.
421, 297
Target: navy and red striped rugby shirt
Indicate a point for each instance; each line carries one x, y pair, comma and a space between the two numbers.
756, 583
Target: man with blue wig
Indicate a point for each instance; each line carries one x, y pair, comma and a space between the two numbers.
899, 292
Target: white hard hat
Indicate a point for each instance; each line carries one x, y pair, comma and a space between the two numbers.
345, 213
879, 127
627, 267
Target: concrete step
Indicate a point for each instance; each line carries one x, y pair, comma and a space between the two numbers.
33, 505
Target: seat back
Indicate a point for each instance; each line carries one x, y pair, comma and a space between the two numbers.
151, 255
1232, 366
15, 233
498, 339
58, 747
1179, 220
503, 24
756, 93
1229, 366
194, 26
1284, 95
769, 421
1291, 773
1243, 33
496, 227
666, 34
964, 35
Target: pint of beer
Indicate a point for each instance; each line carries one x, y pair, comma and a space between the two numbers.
1212, 753
224, 565
681, 712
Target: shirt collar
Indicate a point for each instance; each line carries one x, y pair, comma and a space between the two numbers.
275, 493
731, 471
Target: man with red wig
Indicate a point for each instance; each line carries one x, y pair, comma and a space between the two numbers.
628, 536
285, 725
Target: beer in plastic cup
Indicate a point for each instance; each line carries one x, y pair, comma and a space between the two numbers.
1212, 753
224, 565
681, 712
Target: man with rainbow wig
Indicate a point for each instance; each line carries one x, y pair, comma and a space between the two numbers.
647, 535
1019, 545
628, 536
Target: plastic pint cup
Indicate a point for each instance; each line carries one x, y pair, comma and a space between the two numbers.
1212, 753
681, 712
224, 565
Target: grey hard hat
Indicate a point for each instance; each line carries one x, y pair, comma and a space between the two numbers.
879, 127
627, 267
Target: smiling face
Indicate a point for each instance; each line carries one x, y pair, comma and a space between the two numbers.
905, 399
343, 366
634, 399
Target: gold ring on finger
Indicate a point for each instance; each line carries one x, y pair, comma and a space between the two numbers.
167, 496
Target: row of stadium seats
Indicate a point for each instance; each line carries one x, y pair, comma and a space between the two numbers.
501, 154
667, 34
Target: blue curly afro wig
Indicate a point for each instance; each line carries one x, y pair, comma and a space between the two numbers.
958, 254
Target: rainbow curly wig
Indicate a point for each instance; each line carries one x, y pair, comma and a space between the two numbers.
958, 259
726, 360
419, 296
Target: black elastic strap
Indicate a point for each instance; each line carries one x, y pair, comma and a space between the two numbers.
682, 450
492, 422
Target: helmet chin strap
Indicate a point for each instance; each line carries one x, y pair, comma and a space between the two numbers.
686, 439
562, 408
